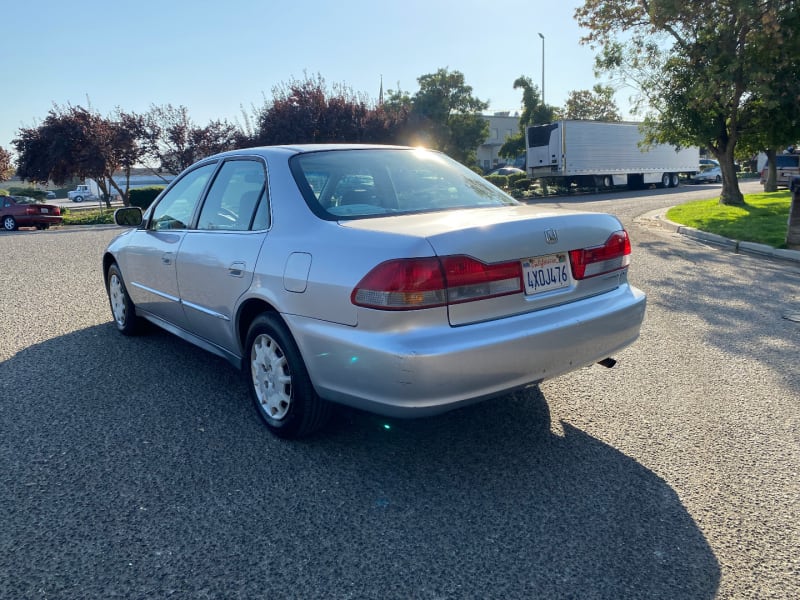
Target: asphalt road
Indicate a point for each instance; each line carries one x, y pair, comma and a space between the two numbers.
137, 468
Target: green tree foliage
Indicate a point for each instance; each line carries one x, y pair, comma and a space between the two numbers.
597, 104
6, 168
534, 112
446, 116
703, 70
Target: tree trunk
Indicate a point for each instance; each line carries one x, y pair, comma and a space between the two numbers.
771, 183
731, 194
793, 233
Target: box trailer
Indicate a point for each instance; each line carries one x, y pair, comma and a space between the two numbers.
602, 154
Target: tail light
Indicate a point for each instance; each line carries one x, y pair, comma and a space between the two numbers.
413, 283
614, 255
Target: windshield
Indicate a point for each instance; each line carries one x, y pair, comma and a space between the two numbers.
357, 183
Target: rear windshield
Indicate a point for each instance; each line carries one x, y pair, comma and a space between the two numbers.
358, 183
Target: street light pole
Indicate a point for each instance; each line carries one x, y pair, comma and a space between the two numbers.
541, 36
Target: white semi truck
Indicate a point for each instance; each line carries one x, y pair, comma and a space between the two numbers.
603, 154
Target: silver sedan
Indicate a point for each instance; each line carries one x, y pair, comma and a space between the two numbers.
390, 279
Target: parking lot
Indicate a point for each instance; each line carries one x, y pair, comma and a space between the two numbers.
136, 467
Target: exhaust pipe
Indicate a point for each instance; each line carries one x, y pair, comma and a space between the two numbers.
607, 362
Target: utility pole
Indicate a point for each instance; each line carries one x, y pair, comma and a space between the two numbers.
541, 36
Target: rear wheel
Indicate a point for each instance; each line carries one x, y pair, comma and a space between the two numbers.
279, 383
78, 199
122, 307
9, 223
665, 180
675, 180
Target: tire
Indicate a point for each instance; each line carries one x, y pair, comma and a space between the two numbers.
608, 181
78, 199
279, 383
718, 179
665, 180
122, 307
9, 223
676, 181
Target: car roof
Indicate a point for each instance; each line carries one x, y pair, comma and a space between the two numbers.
305, 148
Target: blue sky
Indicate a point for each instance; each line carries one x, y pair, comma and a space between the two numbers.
217, 57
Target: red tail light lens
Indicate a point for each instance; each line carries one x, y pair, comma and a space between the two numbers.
598, 260
408, 284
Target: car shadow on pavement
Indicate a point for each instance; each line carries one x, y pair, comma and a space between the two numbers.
137, 467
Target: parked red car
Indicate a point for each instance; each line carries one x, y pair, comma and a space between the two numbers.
23, 211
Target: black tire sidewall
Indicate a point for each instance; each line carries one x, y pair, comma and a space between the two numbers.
130, 326
301, 419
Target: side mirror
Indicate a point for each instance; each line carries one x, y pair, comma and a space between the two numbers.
128, 217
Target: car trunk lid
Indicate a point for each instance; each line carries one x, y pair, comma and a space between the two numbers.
538, 241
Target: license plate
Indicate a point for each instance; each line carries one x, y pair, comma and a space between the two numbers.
45, 211
546, 273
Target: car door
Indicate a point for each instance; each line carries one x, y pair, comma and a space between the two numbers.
149, 262
216, 260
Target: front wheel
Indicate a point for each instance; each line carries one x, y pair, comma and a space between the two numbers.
279, 383
122, 307
78, 199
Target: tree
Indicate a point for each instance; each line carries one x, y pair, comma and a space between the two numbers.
534, 112
175, 142
6, 168
596, 104
446, 116
75, 142
699, 67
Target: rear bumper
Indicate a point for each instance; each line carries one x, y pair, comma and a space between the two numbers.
426, 372
31, 220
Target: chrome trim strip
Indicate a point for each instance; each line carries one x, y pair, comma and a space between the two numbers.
156, 292
206, 311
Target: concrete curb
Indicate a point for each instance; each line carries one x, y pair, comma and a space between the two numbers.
718, 240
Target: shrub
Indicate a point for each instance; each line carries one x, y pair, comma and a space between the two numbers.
27, 191
500, 181
143, 197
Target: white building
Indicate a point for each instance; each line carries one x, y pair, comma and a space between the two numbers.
501, 127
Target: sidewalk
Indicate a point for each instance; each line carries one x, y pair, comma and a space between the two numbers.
718, 240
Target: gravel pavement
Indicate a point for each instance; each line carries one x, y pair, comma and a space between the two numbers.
137, 468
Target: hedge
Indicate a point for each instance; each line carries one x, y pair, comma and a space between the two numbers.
143, 197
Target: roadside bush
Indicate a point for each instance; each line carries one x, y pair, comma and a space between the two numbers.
143, 197
500, 181
520, 183
27, 191
92, 216
517, 180
4, 192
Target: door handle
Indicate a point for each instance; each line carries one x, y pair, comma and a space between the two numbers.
166, 258
237, 269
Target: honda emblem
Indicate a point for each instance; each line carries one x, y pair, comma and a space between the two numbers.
550, 236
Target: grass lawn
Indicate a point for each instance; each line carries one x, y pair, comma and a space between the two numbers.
763, 219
